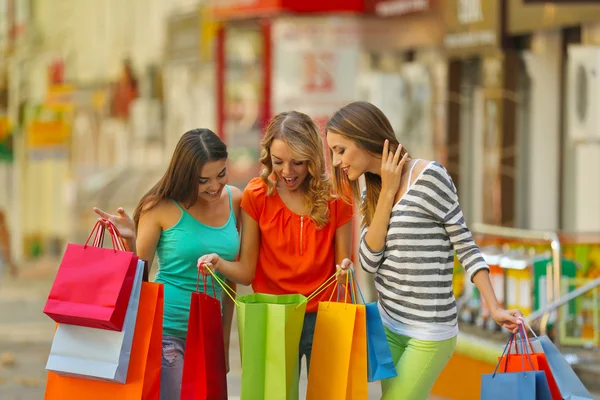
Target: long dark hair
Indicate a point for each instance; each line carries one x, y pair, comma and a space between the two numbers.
368, 127
180, 181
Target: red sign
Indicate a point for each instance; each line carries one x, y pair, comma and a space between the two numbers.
223, 9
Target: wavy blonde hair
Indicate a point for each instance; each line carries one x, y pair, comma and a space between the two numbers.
301, 134
368, 127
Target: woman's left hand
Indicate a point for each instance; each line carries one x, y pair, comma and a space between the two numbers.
343, 270
507, 318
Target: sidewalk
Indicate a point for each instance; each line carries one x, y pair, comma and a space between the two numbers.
26, 334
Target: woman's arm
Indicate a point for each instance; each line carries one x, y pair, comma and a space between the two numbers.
343, 243
241, 271
148, 234
391, 172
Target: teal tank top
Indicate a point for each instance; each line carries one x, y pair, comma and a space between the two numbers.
178, 250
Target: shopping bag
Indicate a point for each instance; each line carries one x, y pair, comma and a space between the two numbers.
269, 328
143, 376
93, 284
204, 366
569, 385
97, 353
538, 361
521, 385
380, 364
338, 365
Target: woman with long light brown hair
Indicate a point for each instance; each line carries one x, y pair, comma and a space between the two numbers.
412, 225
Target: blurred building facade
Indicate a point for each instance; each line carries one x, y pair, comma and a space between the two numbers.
95, 94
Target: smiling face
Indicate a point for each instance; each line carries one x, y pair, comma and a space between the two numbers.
289, 170
351, 160
212, 180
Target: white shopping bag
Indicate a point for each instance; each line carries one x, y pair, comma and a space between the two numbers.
98, 354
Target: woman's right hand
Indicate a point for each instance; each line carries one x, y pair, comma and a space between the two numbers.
208, 260
122, 221
391, 169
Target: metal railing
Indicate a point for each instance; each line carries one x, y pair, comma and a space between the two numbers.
563, 300
553, 274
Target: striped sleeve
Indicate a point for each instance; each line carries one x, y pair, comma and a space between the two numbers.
440, 199
370, 260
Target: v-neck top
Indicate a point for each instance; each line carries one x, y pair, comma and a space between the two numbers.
413, 273
178, 250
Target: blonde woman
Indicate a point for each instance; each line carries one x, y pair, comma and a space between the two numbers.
412, 225
295, 232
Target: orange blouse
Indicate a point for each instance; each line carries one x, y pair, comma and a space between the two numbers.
294, 256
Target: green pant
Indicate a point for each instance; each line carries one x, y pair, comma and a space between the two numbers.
418, 364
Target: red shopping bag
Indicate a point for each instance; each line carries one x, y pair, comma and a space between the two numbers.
143, 376
204, 366
93, 284
538, 361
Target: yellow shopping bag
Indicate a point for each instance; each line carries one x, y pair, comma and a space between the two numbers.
338, 364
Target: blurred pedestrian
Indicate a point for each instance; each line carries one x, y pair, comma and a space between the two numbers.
191, 211
412, 224
295, 231
5, 250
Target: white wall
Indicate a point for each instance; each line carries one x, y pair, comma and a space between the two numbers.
543, 65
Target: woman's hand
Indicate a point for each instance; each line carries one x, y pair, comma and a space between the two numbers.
208, 260
391, 169
507, 318
122, 221
343, 270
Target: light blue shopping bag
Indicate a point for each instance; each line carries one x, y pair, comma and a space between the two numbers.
380, 364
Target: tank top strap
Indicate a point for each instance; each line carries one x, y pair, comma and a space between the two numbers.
230, 201
411, 171
178, 206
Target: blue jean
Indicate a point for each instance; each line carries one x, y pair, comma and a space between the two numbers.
172, 367
306, 340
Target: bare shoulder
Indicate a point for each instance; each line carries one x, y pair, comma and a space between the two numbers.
165, 213
236, 194
419, 165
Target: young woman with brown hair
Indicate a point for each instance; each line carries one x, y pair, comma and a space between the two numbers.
295, 231
191, 211
412, 226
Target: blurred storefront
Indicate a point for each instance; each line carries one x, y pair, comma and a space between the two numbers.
404, 72
189, 75
315, 57
275, 56
481, 142
560, 150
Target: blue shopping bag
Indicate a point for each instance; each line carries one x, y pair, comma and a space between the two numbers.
380, 364
525, 385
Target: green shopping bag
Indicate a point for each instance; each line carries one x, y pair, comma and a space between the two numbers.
269, 328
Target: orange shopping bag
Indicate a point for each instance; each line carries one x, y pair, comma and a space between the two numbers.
143, 377
338, 363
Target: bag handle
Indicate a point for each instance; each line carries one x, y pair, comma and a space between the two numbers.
98, 232
324, 286
117, 235
226, 288
351, 271
345, 287
204, 282
523, 333
525, 355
